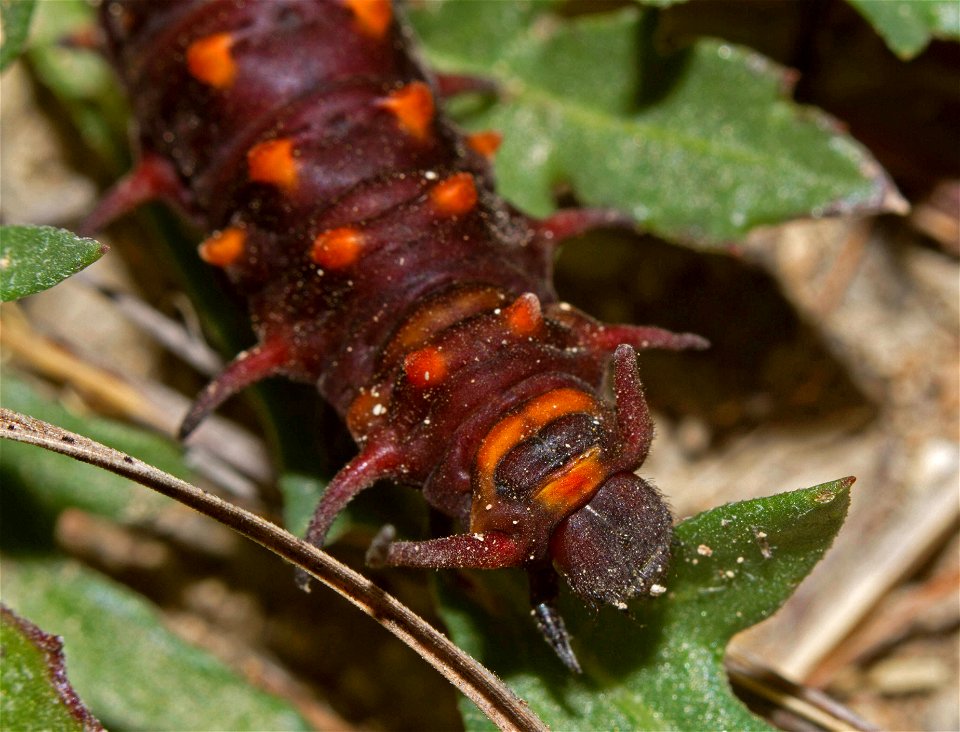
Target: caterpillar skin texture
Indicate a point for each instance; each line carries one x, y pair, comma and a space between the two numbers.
378, 263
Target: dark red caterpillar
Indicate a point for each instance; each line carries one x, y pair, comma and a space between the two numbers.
378, 263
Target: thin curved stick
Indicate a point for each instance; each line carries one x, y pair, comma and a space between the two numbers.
478, 684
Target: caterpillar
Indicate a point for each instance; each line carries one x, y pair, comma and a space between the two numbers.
364, 232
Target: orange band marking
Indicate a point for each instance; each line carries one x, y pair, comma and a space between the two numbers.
454, 196
574, 485
536, 413
209, 60
486, 143
373, 16
585, 471
223, 248
413, 108
426, 367
337, 248
273, 162
434, 317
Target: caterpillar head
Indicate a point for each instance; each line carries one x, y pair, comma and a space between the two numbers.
617, 546
557, 474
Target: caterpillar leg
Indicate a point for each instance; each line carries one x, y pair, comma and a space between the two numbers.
543, 598
491, 550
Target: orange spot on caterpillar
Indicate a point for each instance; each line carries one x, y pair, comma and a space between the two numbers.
223, 248
426, 367
273, 162
454, 196
413, 108
368, 408
337, 248
373, 16
486, 143
524, 316
209, 60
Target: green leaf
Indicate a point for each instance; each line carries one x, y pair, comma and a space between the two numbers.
16, 15
908, 26
35, 258
132, 672
699, 145
732, 567
36, 694
301, 493
38, 484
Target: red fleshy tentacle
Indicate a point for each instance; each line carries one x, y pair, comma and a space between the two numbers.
263, 360
633, 415
642, 337
154, 178
378, 460
605, 338
568, 223
451, 85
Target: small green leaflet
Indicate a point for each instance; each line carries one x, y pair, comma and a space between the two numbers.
16, 15
35, 258
36, 692
908, 26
